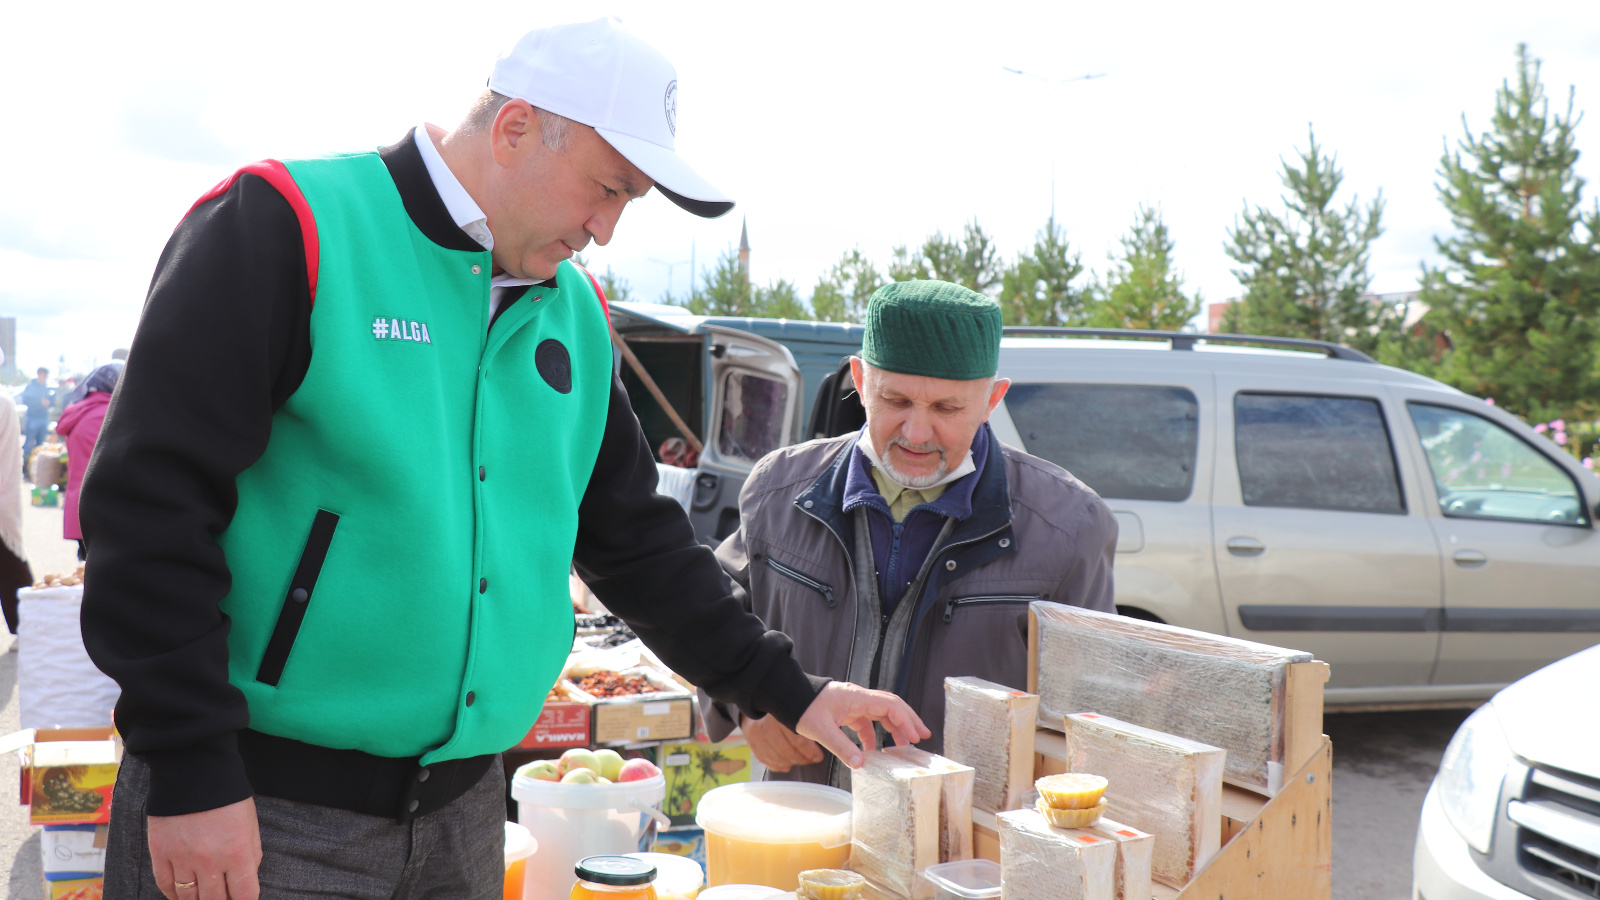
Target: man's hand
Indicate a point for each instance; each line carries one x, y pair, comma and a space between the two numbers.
776, 747
844, 705
219, 850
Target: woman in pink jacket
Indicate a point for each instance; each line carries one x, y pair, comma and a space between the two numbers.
80, 425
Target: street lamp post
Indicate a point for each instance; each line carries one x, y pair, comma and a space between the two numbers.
1053, 82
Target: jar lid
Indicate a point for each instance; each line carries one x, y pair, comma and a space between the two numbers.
617, 871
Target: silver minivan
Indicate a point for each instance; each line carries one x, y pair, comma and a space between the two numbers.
1429, 546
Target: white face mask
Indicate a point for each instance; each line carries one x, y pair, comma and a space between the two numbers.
938, 477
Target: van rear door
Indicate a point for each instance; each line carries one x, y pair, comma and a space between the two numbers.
755, 404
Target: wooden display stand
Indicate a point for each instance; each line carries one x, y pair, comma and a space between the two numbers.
1272, 847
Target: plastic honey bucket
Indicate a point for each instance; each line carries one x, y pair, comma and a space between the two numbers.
519, 846
768, 832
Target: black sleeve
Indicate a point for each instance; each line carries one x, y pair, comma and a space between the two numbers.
224, 339
636, 550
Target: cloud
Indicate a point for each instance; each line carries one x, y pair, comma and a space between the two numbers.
169, 121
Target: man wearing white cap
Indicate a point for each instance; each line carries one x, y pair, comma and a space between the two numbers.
369, 420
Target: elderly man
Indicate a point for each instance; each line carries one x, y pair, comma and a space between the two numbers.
908, 552
369, 422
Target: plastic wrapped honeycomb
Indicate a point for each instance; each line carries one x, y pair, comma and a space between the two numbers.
1218, 690
1041, 862
1134, 853
895, 823
990, 727
1168, 786
955, 801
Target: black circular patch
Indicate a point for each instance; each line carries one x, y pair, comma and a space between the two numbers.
555, 364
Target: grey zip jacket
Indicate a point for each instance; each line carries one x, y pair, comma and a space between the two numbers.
804, 565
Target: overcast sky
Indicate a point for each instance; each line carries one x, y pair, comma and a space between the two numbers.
832, 124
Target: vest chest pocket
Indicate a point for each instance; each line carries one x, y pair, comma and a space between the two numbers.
954, 603
298, 598
800, 577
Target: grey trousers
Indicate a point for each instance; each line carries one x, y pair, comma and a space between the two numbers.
456, 853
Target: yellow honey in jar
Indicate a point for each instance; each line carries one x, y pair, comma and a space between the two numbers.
769, 832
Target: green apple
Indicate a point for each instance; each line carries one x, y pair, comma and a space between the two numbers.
580, 776
543, 770
610, 763
578, 758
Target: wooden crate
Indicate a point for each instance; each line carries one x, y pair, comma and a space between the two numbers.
1272, 847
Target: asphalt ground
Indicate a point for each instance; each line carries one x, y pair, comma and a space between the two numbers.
1382, 765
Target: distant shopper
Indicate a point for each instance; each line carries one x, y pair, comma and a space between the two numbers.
36, 397
80, 425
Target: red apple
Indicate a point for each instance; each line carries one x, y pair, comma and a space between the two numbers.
638, 770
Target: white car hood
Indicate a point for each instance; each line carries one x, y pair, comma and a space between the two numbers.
1550, 717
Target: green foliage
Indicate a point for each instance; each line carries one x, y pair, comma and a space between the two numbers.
1142, 289
724, 291
780, 300
1519, 291
842, 293
1037, 289
1304, 269
616, 289
971, 260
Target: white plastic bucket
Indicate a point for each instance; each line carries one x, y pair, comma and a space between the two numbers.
572, 821
768, 832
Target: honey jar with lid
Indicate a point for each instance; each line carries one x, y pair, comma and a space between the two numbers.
614, 878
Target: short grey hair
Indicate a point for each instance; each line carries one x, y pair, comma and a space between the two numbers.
554, 130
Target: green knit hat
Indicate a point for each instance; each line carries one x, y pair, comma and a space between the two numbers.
932, 328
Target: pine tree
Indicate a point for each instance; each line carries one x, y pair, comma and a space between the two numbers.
1519, 292
616, 289
1142, 289
1038, 289
1304, 270
971, 260
780, 300
726, 292
842, 293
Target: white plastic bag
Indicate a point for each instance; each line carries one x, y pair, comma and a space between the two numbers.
57, 685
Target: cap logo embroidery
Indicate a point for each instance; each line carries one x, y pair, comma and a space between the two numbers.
400, 330
670, 101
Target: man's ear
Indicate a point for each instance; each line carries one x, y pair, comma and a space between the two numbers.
996, 394
513, 125
858, 375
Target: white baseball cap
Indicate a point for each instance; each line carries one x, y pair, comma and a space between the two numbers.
598, 73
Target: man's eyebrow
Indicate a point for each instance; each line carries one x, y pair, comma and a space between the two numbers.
628, 187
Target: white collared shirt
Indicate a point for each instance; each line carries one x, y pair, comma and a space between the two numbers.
464, 211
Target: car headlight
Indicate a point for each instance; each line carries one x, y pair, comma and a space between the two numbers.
1469, 778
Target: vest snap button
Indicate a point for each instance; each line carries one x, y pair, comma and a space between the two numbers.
471, 697
950, 565
299, 595
483, 473
483, 585
807, 504
477, 270
423, 775
1004, 543
413, 806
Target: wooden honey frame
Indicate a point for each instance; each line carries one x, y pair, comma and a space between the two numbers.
1271, 847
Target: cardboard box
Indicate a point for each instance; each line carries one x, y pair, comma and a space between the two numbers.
76, 889
627, 720
67, 773
560, 724
692, 769
72, 851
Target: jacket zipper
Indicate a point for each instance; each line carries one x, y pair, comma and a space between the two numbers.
796, 575
951, 604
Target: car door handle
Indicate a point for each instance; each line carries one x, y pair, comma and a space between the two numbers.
1469, 559
1245, 546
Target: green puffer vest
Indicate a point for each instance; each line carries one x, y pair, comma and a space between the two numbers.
400, 551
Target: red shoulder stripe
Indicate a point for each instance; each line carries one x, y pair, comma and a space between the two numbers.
605, 307
279, 177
